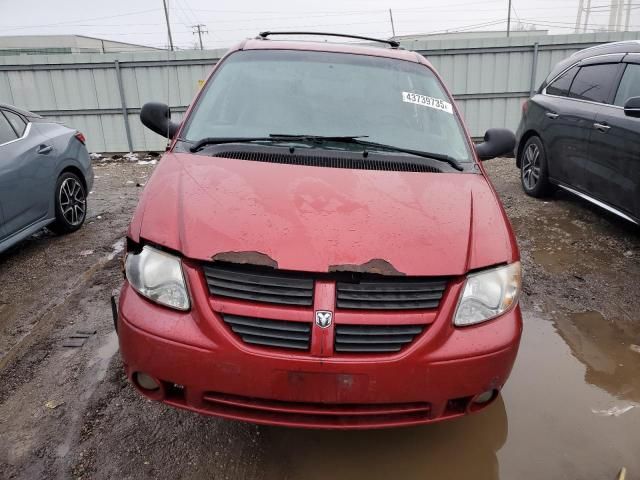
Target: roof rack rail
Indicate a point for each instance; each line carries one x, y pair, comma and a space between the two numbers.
391, 43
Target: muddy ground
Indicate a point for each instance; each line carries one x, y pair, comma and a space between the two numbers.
571, 409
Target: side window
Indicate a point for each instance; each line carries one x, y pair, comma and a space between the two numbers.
16, 122
595, 82
629, 85
6, 131
561, 86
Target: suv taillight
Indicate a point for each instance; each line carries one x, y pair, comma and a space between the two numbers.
81, 138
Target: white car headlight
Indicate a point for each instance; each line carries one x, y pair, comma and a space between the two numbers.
158, 276
488, 294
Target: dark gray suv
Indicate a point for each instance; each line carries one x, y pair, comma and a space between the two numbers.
581, 131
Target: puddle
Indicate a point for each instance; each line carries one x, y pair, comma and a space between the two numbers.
554, 261
544, 426
605, 351
561, 243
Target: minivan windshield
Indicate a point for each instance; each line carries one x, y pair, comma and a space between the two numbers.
393, 102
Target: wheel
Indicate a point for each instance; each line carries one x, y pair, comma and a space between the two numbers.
71, 204
534, 173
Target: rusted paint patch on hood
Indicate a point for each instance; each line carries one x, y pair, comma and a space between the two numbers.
376, 265
246, 258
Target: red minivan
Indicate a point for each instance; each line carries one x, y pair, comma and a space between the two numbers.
320, 246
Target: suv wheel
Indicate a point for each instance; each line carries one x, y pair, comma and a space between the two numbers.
533, 169
71, 204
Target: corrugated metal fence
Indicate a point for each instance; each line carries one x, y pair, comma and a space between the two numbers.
101, 94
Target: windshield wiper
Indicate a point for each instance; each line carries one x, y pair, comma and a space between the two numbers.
274, 137
356, 140
419, 153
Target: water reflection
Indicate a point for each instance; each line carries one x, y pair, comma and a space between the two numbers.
463, 448
605, 350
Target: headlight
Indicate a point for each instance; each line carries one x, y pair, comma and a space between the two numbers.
488, 294
158, 276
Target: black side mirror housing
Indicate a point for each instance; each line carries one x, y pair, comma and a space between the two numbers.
497, 142
157, 118
632, 107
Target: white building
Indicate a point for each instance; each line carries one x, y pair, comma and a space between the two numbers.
56, 44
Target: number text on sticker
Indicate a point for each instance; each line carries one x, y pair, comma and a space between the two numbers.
425, 101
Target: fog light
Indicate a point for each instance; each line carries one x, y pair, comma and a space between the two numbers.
146, 382
484, 397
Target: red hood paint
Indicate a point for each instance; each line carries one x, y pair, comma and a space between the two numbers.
312, 218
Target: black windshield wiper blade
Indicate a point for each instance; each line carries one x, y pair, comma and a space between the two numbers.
274, 137
318, 138
434, 156
220, 140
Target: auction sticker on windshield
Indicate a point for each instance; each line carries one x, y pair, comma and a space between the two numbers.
427, 101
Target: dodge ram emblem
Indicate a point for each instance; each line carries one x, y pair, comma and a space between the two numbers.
323, 318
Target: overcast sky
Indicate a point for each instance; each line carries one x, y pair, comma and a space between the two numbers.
228, 21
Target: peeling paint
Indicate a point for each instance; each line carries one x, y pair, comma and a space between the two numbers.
376, 265
246, 258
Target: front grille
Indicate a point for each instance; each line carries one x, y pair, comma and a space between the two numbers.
396, 165
386, 294
285, 288
270, 333
374, 338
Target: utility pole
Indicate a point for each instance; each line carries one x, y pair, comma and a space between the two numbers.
626, 22
613, 15
199, 30
166, 16
587, 12
393, 28
619, 17
509, 20
579, 16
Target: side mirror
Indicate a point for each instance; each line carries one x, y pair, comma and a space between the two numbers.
632, 107
157, 118
497, 142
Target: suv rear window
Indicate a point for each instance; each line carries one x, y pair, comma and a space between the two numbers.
394, 102
595, 82
561, 86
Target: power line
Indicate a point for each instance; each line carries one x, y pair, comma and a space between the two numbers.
82, 20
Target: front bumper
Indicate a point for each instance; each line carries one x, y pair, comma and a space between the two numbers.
200, 366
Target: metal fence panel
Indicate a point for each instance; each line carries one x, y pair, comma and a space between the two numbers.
489, 78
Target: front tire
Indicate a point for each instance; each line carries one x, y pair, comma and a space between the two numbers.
71, 204
534, 173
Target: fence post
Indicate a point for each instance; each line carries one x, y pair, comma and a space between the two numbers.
125, 115
534, 70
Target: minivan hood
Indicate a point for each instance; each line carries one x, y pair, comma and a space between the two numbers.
323, 219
